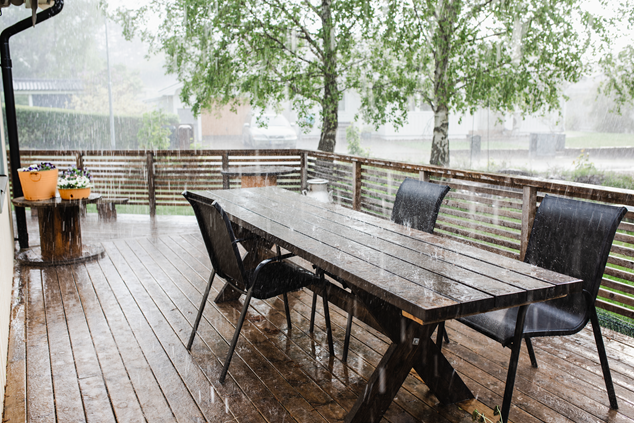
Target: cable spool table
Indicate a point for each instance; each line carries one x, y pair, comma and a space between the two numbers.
60, 232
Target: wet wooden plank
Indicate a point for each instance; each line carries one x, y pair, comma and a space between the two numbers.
176, 393
92, 386
146, 387
15, 389
569, 394
39, 387
211, 355
68, 400
123, 398
266, 369
149, 287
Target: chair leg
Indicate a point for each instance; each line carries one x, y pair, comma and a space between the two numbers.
607, 376
311, 328
346, 341
200, 310
515, 355
331, 347
287, 309
531, 352
236, 334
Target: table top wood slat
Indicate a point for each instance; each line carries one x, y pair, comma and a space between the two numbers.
403, 266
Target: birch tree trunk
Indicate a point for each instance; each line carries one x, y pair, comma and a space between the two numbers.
443, 85
440, 142
330, 102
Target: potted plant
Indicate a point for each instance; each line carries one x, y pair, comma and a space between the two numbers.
38, 181
74, 184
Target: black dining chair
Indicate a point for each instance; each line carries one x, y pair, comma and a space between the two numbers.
416, 206
270, 278
573, 238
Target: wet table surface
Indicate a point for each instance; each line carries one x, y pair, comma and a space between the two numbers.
408, 280
60, 232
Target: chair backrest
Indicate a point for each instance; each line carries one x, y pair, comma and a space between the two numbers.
219, 239
574, 238
417, 204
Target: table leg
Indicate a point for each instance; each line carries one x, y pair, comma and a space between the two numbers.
60, 233
412, 347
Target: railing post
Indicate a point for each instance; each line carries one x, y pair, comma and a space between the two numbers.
225, 167
529, 208
151, 183
79, 160
356, 181
423, 175
304, 166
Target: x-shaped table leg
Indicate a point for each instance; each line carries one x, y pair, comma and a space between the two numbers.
412, 347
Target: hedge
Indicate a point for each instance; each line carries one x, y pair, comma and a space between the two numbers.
59, 129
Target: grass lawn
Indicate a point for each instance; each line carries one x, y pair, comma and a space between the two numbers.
598, 139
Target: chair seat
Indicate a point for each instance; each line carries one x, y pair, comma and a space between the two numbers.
280, 277
542, 319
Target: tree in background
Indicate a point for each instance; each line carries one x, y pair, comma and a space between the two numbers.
458, 55
127, 89
154, 133
269, 51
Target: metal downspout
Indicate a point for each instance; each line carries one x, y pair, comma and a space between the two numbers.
9, 100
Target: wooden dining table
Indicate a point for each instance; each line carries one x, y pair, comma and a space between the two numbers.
408, 280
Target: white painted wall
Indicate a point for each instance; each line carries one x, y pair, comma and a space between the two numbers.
6, 272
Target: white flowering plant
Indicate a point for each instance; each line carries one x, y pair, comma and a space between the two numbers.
38, 167
73, 178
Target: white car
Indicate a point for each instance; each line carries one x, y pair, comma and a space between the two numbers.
273, 131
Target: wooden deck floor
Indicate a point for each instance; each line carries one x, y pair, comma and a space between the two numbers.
104, 341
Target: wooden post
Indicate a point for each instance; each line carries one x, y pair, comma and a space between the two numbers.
79, 164
151, 188
529, 208
356, 185
304, 165
79, 160
423, 175
225, 167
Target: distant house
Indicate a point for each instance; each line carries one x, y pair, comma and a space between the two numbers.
55, 93
209, 127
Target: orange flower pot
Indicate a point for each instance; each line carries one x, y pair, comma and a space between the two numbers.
39, 185
74, 193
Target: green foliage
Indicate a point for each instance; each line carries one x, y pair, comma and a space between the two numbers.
57, 129
263, 52
154, 133
478, 417
619, 71
354, 145
458, 55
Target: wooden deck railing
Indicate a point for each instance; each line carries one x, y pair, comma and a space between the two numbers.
493, 211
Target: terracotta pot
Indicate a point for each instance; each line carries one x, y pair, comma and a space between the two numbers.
74, 193
39, 185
